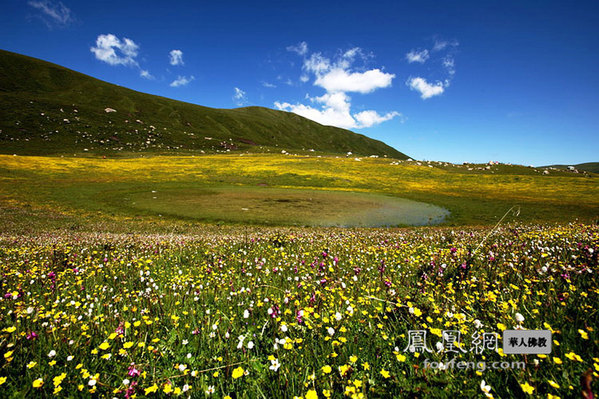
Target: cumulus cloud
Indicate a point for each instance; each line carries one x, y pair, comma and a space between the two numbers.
301, 48
426, 89
441, 56
176, 57
335, 110
419, 56
337, 78
239, 97
113, 51
182, 81
53, 12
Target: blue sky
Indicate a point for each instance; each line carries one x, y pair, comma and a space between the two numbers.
458, 81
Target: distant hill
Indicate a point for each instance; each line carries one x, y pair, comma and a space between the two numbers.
592, 167
49, 109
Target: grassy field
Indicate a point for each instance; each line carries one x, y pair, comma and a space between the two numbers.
191, 275
168, 192
310, 313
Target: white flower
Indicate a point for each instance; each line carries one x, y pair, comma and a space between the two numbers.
519, 318
284, 328
30, 310
52, 353
246, 314
185, 388
478, 324
182, 367
210, 390
91, 383
439, 346
185, 342
126, 382
250, 345
338, 316
189, 355
274, 364
485, 388
69, 358
331, 330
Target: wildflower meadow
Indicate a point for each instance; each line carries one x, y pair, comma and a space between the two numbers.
296, 312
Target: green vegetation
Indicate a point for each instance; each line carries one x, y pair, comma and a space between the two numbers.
586, 167
278, 313
48, 109
118, 194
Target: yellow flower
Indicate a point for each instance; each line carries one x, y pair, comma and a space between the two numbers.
326, 369
553, 384
238, 372
10, 329
366, 366
8, 354
501, 326
151, 389
385, 373
583, 334
31, 365
527, 388
574, 357
38, 383
168, 388
127, 345
400, 357
557, 360
104, 345
311, 394
2, 380
353, 359
57, 390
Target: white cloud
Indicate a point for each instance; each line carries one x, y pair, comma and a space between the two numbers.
449, 64
145, 74
417, 56
301, 48
337, 78
361, 82
269, 85
181, 81
442, 44
335, 111
239, 97
426, 89
176, 57
113, 51
370, 118
57, 12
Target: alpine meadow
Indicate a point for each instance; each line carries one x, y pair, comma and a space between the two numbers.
302, 244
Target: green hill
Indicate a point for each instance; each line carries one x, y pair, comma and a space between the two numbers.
49, 109
592, 167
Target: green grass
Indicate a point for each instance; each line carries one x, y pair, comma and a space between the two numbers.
48, 109
96, 193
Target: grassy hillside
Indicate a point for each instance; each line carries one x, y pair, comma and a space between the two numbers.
48, 109
587, 167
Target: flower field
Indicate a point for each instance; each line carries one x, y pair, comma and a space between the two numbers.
296, 312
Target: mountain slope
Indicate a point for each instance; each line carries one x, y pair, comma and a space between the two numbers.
592, 167
49, 109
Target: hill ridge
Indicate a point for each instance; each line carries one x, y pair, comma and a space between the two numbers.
49, 109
